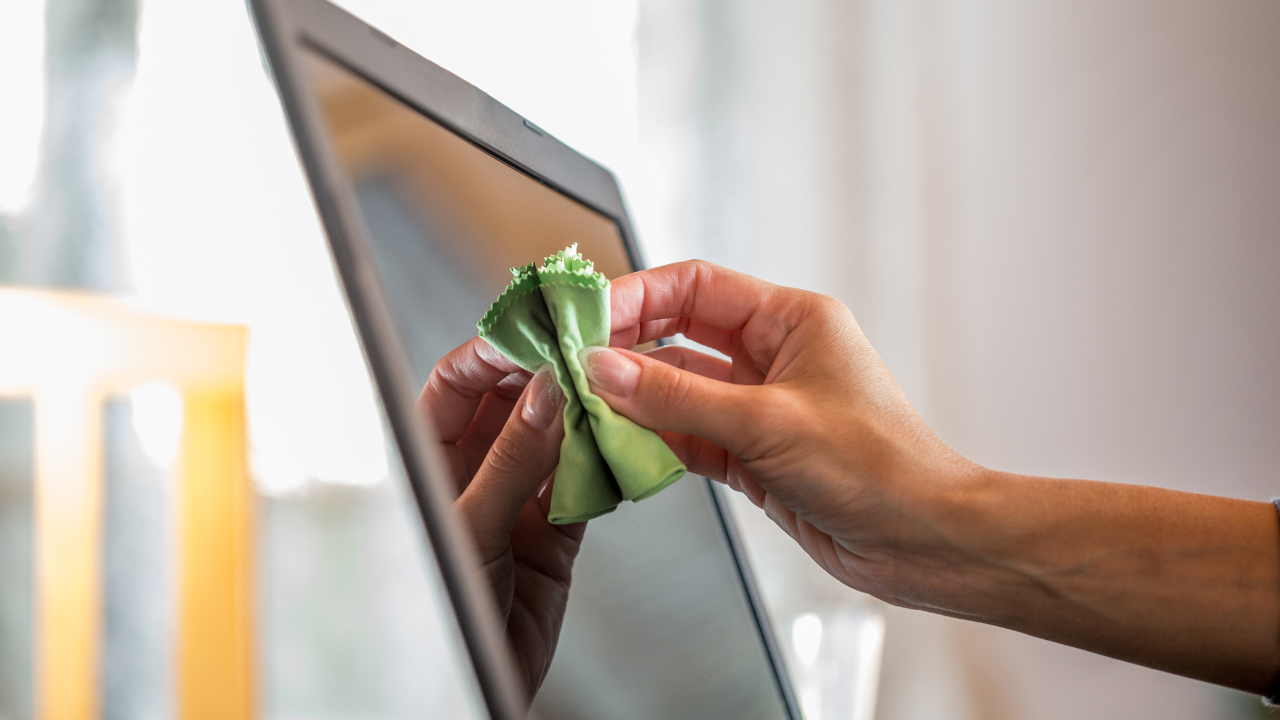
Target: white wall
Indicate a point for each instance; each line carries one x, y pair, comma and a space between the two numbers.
1059, 222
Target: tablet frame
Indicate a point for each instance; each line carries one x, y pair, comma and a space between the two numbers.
286, 26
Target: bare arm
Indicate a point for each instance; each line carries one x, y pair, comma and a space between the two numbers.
1180, 582
806, 421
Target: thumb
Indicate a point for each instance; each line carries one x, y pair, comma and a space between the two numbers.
520, 459
659, 396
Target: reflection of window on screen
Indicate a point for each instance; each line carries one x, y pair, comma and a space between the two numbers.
419, 271
446, 219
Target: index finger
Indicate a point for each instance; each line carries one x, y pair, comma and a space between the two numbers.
459, 382
707, 303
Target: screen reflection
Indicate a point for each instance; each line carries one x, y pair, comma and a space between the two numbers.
657, 622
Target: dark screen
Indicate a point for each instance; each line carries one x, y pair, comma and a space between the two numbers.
658, 623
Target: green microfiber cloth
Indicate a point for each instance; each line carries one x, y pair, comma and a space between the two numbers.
546, 315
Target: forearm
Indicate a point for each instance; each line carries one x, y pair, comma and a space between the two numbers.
1185, 583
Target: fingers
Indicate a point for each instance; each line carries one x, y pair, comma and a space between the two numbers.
696, 289
490, 418
742, 370
696, 362
712, 461
743, 317
663, 397
522, 456
459, 382
725, 341
701, 456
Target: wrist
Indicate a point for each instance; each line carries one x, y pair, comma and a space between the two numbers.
963, 558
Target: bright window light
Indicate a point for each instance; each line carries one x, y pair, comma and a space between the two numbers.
219, 222
157, 420
806, 638
21, 99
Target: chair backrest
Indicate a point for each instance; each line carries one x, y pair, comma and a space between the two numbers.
69, 353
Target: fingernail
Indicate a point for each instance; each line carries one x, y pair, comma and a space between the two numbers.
543, 399
611, 371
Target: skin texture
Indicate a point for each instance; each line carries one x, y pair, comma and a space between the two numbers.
806, 421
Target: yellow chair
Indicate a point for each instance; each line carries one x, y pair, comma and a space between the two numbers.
69, 352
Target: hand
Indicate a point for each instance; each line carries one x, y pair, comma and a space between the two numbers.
806, 421
500, 434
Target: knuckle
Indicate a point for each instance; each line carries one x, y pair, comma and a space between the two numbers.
827, 310
423, 403
828, 304
674, 388
508, 455
700, 265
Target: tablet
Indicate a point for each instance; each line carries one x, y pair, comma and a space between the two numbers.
429, 190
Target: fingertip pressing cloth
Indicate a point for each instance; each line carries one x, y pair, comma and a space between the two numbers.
546, 315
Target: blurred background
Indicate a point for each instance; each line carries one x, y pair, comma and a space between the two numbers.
1058, 222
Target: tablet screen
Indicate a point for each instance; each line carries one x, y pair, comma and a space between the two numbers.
658, 622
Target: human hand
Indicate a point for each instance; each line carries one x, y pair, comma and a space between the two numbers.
500, 433
806, 421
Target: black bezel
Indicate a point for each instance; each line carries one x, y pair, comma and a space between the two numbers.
286, 26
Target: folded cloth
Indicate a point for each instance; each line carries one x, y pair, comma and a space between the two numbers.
546, 315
